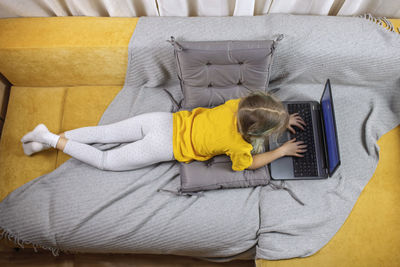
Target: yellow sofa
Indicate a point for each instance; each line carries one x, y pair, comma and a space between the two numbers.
65, 71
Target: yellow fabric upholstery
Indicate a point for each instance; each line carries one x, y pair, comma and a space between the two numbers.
70, 50
65, 73
28, 107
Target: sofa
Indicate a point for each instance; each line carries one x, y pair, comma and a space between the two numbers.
65, 71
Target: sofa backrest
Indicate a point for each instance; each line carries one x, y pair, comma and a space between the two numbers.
65, 51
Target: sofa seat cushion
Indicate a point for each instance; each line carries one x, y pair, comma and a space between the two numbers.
65, 51
60, 109
27, 107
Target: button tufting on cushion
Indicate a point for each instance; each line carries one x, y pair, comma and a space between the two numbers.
218, 66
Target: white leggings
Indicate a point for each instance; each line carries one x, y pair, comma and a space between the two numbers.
149, 138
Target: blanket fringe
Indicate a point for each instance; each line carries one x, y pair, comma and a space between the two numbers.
380, 21
5, 234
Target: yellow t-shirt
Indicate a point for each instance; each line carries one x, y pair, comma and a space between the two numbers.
203, 133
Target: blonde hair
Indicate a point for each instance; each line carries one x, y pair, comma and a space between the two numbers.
259, 116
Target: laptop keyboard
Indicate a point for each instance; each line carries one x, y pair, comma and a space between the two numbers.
304, 166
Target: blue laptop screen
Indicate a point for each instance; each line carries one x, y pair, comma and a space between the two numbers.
330, 129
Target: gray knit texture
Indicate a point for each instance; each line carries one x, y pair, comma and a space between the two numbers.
80, 208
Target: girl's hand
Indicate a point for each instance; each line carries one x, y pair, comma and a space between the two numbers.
295, 120
292, 148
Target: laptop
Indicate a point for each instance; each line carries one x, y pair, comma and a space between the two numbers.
322, 157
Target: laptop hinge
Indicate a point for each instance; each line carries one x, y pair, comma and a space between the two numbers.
322, 140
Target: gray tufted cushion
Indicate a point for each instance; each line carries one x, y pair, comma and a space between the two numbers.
217, 173
212, 72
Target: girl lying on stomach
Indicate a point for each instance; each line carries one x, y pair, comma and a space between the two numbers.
236, 128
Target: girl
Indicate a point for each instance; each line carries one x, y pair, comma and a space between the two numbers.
237, 128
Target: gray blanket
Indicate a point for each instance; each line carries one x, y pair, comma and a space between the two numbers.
79, 208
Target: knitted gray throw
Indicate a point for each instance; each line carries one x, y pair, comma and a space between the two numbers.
80, 208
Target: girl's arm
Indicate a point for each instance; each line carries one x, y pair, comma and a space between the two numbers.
290, 148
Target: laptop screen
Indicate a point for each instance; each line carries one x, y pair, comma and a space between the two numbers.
330, 129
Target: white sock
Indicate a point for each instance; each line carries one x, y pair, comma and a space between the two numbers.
34, 147
42, 135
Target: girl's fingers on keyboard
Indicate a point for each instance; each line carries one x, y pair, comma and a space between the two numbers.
299, 119
302, 121
299, 125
